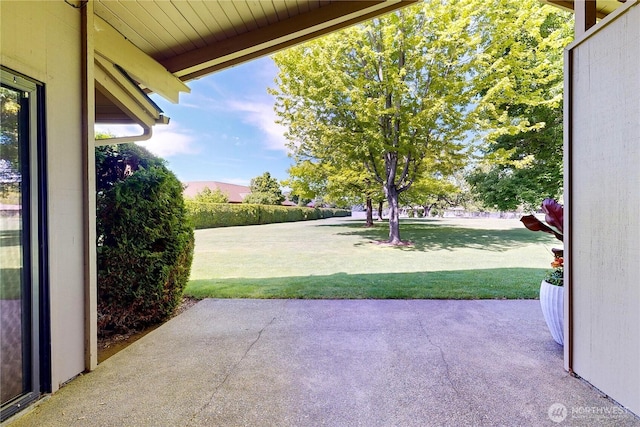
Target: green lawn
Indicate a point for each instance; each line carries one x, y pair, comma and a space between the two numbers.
338, 258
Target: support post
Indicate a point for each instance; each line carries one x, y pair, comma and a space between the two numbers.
568, 231
89, 190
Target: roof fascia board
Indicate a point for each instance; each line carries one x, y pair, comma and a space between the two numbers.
298, 29
132, 91
113, 46
116, 90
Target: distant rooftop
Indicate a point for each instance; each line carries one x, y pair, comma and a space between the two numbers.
235, 193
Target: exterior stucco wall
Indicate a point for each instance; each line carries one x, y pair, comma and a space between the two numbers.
42, 41
604, 205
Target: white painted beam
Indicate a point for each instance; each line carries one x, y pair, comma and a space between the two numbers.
112, 45
107, 83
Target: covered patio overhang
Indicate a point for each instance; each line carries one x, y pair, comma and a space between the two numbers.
156, 46
131, 49
111, 54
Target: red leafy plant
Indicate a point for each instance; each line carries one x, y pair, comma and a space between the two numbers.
554, 217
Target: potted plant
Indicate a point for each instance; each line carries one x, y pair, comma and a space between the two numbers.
551, 288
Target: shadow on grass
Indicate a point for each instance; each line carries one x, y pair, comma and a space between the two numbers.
497, 283
431, 235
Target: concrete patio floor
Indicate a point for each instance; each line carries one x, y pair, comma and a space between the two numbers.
336, 363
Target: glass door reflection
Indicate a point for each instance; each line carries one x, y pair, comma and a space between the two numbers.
14, 320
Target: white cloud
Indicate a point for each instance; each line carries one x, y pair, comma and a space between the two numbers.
166, 140
262, 116
118, 130
170, 140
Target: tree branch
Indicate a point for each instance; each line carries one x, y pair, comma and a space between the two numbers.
374, 172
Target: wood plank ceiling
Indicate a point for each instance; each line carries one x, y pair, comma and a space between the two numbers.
197, 37
193, 38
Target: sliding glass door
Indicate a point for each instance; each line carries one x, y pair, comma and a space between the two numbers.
22, 231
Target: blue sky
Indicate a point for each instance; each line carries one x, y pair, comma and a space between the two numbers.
224, 130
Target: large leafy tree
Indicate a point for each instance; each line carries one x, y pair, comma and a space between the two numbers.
385, 96
265, 190
431, 192
209, 196
337, 183
519, 78
438, 185
522, 169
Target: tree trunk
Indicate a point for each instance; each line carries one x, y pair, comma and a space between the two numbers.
369, 222
394, 214
380, 203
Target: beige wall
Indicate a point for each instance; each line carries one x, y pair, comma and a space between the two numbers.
42, 40
604, 205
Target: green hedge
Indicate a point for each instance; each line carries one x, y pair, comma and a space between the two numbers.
212, 215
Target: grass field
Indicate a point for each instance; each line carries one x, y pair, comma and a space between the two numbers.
339, 258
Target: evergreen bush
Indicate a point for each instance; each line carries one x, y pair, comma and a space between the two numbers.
145, 240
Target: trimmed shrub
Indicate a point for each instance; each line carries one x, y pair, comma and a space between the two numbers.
145, 240
212, 215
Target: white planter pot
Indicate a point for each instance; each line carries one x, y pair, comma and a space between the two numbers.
552, 303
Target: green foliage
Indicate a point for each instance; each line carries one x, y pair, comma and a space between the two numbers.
213, 215
265, 190
390, 102
10, 171
519, 64
208, 196
430, 192
307, 180
298, 199
555, 277
327, 182
518, 77
377, 104
260, 198
145, 241
520, 170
